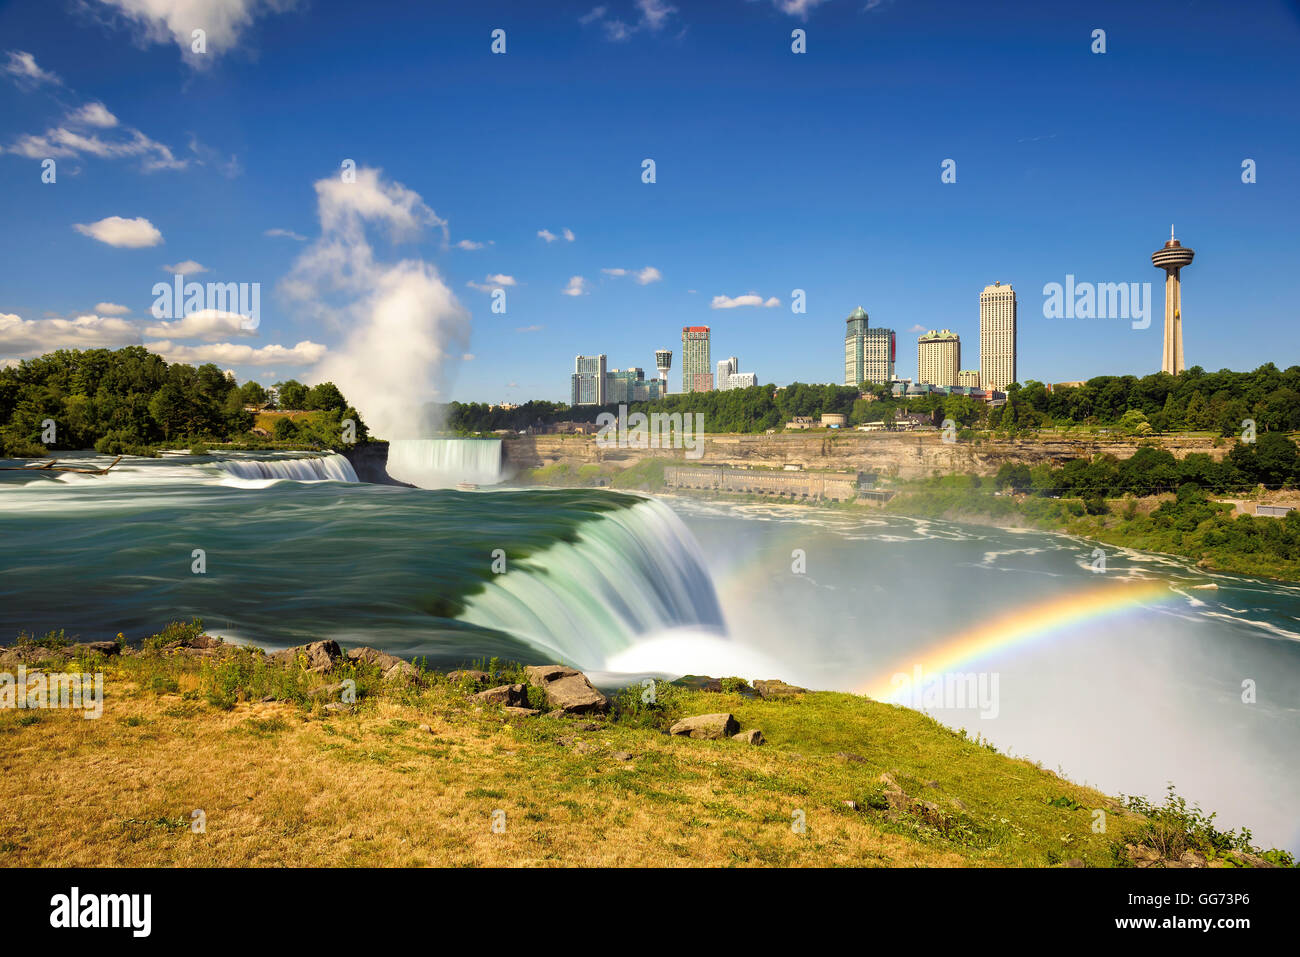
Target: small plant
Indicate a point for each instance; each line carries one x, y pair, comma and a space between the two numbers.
735, 685
51, 640
176, 632
1172, 828
1066, 802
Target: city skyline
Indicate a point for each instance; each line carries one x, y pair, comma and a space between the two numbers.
584, 254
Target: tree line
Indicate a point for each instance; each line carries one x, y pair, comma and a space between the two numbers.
132, 401
1195, 400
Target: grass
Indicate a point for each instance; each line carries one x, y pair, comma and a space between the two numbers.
417, 773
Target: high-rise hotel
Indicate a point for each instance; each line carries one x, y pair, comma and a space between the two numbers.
938, 358
868, 353
997, 337
697, 372
587, 386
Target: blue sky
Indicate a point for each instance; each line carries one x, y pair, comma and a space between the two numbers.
775, 171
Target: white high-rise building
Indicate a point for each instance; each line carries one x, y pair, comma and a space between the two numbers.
938, 357
997, 337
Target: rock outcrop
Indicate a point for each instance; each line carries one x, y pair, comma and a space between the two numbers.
708, 727
567, 689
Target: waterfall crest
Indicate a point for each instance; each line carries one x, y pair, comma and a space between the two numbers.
327, 468
635, 573
442, 463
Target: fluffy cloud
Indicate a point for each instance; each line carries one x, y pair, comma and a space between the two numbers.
25, 338
577, 287
469, 244
111, 309
174, 21
93, 114
642, 277
22, 67
750, 299
124, 233
304, 353
493, 281
210, 325
551, 237
285, 234
801, 8
187, 267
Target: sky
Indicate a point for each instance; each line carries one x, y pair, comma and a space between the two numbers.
522, 171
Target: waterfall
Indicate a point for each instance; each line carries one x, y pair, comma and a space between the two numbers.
328, 468
634, 573
441, 463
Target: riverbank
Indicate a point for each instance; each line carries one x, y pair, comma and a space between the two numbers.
1194, 526
213, 755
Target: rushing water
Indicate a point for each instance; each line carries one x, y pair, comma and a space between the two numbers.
442, 463
624, 586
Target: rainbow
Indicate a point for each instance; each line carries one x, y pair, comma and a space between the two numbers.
1019, 627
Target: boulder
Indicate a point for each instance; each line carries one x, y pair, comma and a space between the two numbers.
522, 712
402, 669
706, 726
567, 689
752, 736
96, 648
621, 756
319, 656
698, 683
515, 696
366, 655
477, 677
777, 689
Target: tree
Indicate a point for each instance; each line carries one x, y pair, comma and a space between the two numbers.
291, 394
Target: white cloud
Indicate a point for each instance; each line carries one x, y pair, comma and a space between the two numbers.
750, 299
469, 244
305, 353
402, 324
918, 328
493, 281
164, 21
25, 338
125, 233
529, 328
22, 66
186, 267
111, 309
577, 287
77, 137
93, 114
285, 233
468, 356
210, 325
551, 237
652, 16
643, 277
568, 234
801, 8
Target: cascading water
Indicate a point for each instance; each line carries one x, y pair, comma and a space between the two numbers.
442, 463
635, 573
327, 468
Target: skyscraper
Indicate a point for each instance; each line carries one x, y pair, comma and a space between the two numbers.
726, 368
868, 353
588, 381
695, 356
997, 336
1172, 257
938, 357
